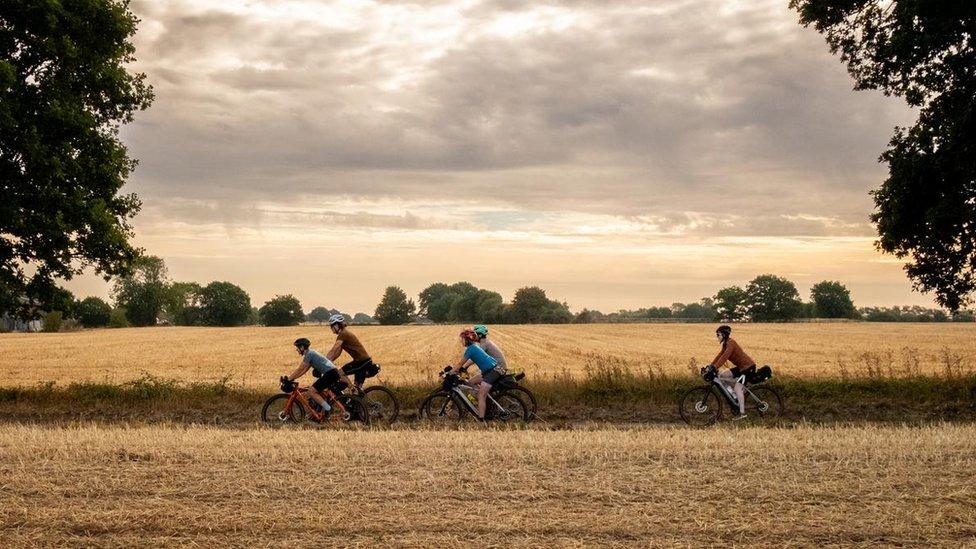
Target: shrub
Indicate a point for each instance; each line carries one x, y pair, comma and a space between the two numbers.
52, 321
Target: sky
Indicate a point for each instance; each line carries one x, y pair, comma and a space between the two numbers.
618, 154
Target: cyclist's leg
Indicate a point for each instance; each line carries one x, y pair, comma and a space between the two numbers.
740, 393
488, 379
357, 368
315, 391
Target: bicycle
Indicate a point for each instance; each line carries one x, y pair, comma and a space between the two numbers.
510, 382
294, 405
455, 400
702, 406
384, 408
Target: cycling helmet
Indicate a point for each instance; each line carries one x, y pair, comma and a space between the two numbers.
469, 336
724, 330
480, 329
337, 319
303, 343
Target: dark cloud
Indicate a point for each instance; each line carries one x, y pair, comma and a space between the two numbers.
612, 108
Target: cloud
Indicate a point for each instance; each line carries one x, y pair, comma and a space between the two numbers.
627, 126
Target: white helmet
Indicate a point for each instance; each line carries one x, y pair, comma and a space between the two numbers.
337, 319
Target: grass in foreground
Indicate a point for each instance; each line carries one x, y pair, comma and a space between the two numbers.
205, 486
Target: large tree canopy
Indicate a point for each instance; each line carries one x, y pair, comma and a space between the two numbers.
64, 93
924, 51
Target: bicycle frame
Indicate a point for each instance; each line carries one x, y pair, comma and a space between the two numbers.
472, 407
729, 394
300, 394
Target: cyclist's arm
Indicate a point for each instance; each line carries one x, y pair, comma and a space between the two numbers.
299, 372
335, 351
722, 357
463, 364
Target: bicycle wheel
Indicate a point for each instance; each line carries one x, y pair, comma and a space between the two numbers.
356, 410
382, 404
700, 407
441, 407
764, 403
528, 398
510, 408
274, 411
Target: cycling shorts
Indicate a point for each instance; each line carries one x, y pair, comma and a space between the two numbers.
359, 368
492, 376
328, 380
749, 372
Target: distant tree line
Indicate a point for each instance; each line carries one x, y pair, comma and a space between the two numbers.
770, 298
147, 297
463, 302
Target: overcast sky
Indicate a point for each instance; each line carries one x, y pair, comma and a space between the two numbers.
618, 154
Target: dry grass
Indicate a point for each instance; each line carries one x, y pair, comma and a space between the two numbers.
410, 354
210, 487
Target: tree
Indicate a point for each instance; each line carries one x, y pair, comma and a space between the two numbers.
925, 52
704, 309
93, 312
281, 310
441, 308
731, 304
394, 308
224, 304
319, 314
144, 292
362, 318
831, 299
429, 295
183, 304
488, 307
772, 298
64, 93
531, 305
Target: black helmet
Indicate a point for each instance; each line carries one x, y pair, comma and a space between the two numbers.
724, 330
303, 343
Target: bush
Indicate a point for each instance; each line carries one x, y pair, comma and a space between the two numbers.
118, 319
70, 325
93, 312
282, 310
52, 321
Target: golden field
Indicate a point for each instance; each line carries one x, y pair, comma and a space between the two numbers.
256, 356
168, 486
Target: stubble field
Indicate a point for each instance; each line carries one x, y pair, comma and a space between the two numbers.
197, 486
256, 356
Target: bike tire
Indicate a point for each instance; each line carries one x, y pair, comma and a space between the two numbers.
700, 407
274, 411
528, 397
382, 403
356, 409
442, 407
515, 409
767, 396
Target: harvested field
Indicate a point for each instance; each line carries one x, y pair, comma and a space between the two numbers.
208, 487
255, 356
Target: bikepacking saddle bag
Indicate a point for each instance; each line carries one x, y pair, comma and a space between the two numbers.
507, 381
761, 375
371, 369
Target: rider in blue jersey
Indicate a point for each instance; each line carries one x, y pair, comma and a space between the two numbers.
473, 354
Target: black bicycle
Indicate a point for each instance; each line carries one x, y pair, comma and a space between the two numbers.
702, 406
384, 408
455, 400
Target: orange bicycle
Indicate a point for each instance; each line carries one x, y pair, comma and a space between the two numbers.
294, 405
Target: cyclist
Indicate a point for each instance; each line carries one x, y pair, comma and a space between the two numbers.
489, 346
473, 354
741, 365
322, 368
348, 342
